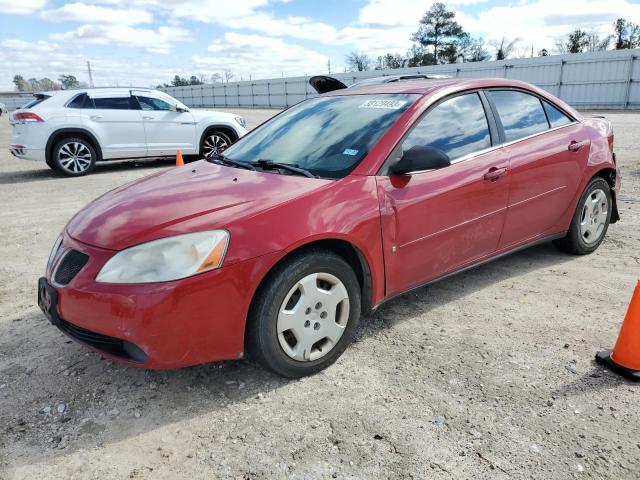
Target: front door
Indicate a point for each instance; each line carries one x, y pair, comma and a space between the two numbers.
438, 221
167, 130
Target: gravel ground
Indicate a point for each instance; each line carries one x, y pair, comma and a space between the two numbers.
488, 374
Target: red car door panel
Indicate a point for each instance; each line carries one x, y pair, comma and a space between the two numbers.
545, 171
434, 222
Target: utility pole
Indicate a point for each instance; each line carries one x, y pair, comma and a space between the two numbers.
90, 75
329, 66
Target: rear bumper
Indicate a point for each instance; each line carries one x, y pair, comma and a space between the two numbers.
26, 153
162, 325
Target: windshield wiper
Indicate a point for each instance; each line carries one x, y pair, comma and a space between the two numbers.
222, 160
268, 164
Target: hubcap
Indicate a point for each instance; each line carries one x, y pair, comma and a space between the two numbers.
74, 157
313, 317
213, 145
594, 216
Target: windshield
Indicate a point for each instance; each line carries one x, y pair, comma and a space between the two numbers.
328, 136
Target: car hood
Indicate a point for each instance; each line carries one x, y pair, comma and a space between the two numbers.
218, 116
198, 196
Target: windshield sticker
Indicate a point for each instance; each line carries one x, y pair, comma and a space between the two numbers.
384, 103
350, 151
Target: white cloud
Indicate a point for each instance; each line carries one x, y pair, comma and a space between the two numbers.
539, 23
400, 12
21, 7
84, 13
154, 41
259, 57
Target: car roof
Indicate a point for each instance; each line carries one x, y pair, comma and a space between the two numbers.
73, 91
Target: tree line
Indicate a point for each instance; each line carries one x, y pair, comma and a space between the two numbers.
65, 82
440, 40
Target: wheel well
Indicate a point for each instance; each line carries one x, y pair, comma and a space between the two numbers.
350, 253
609, 175
228, 131
60, 134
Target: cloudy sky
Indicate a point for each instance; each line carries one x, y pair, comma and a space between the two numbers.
146, 42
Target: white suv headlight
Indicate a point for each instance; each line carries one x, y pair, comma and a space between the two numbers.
241, 121
167, 259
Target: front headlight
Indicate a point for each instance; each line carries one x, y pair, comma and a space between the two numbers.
241, 121
167, 259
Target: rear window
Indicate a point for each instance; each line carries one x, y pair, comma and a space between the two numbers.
113, 103
521, 114
36, 101
555, 116
78, 101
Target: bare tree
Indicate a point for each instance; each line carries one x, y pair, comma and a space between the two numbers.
216, 77
504, 48
228, 75
358, 61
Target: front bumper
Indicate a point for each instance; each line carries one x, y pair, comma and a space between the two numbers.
162, 325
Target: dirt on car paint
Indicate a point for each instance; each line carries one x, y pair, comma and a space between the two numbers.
488, 374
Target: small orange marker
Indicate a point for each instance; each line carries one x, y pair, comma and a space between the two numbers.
179, 159
625, 357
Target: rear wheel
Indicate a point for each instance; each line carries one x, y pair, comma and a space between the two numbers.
590, 220
214, 142
305, 315
73, 156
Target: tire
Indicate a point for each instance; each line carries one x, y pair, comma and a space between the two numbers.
590, 221
73, 156
213, 141
318, 335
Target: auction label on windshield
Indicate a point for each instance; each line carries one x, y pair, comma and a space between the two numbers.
384, 103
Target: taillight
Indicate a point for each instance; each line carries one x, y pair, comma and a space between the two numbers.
27, 117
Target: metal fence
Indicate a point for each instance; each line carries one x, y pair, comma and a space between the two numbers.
598, 80
588, 81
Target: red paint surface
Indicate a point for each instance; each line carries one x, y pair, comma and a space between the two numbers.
409, 229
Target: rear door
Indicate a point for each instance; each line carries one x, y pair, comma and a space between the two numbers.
547, 153
117, 124
437, 221
167, 129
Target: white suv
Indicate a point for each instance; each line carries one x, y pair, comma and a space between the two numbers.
71, 130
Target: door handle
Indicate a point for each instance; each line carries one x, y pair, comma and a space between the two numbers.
96, 117
574, 146
495, 173
147, 118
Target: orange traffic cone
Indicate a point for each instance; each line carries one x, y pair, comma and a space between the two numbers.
625, 358
179, 160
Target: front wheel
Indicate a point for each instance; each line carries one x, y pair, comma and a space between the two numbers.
214, 143
305, 315
590, 220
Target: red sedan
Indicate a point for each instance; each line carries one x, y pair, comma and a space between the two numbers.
329, 209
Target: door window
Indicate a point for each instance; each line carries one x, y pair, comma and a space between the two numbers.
457, 127
555, 116
112, 103
521, 114
150, 103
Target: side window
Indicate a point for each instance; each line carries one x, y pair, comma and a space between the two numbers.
521, 114
113, 103
150, 103
78, 101
457, 126
555, 116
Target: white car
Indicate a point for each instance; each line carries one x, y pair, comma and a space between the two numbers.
71, 130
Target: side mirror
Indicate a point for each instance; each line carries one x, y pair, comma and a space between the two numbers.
419, 158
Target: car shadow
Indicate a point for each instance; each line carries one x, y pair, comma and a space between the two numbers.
45, 173
45, 369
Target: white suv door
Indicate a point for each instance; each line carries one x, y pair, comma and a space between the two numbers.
168, 128
116, 123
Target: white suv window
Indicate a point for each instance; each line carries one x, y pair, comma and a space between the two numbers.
150, 103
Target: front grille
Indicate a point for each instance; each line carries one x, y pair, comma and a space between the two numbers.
69, 266
109, 345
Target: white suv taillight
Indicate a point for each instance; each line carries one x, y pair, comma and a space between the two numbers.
26, 117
